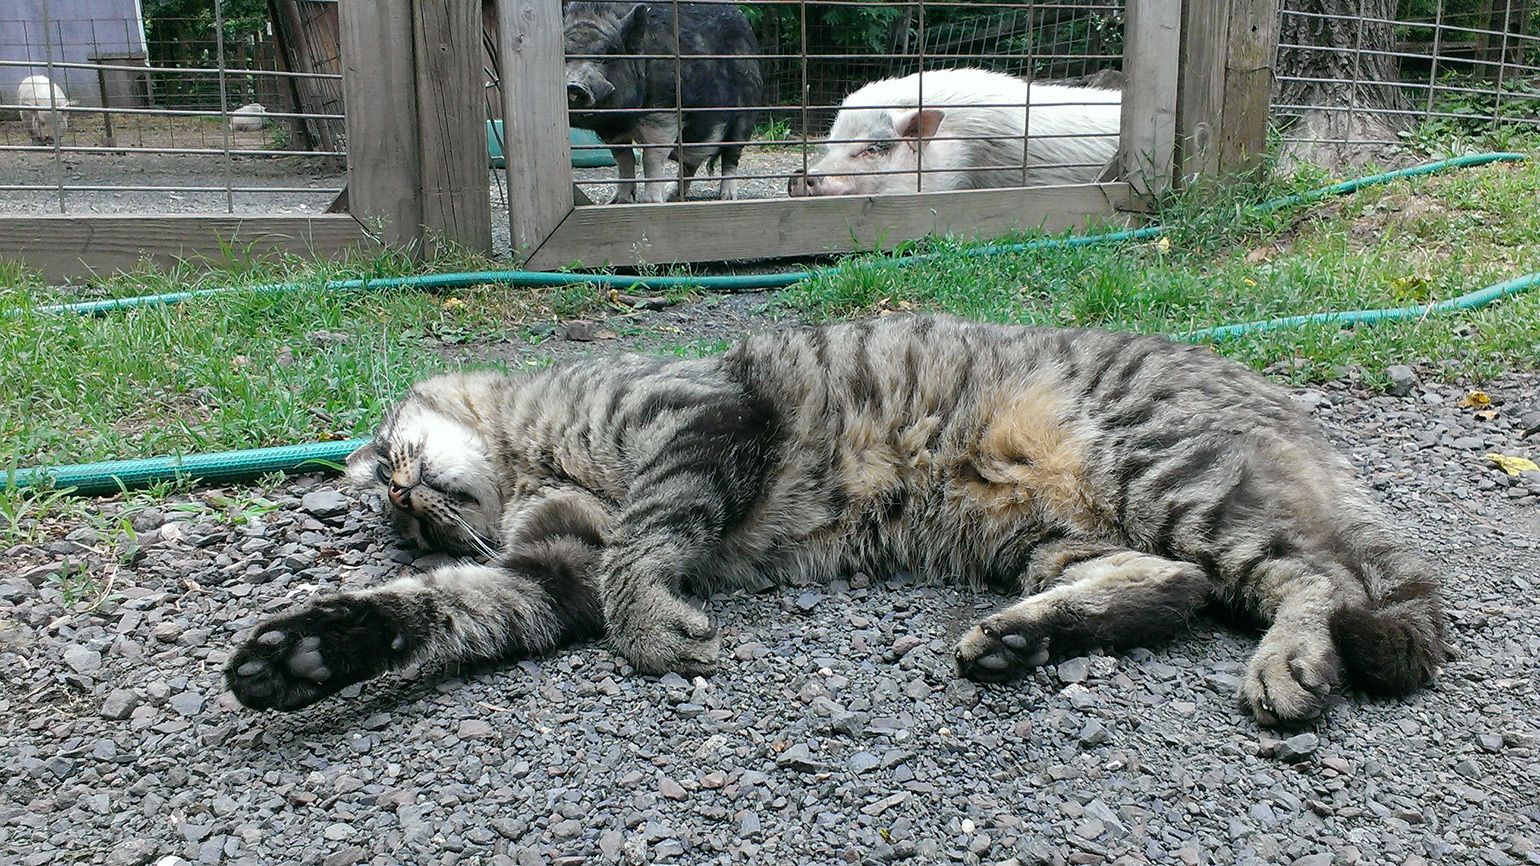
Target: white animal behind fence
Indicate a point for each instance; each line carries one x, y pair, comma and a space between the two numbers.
42, 100
969, 134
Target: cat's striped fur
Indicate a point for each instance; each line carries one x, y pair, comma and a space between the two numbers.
1119, 482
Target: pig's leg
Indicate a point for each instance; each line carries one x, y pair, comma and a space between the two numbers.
625, 167
656, 130
729, 173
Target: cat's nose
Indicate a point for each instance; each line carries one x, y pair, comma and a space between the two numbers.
398, 495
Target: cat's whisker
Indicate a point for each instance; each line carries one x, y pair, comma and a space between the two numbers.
476, 538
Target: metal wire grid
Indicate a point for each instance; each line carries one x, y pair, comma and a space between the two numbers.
813, 54
155, 102
1456, 74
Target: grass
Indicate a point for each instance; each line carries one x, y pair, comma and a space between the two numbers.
251, 368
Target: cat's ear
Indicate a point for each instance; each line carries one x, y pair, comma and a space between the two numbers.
362, 465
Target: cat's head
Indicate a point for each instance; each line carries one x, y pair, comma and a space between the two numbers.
432, 462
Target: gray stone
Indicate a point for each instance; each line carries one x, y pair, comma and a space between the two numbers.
119, 704
1094, 734
187, 703
132, 852
475, 729
807, 601
325, 503
1075, 670
1402, 379
82, 660
1300, 747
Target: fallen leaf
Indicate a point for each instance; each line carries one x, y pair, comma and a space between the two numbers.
1411, 288
1164, 245
453, 303
1486, 414
1513, 465
1474, 399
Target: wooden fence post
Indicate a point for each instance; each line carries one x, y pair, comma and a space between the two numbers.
540, 191
1226, 85
379, 84
1147, 139
452, 124
417, 143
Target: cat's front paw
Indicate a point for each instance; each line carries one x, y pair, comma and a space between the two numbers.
299, 658
670, 636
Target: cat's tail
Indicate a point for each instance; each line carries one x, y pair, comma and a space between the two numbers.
1394, 643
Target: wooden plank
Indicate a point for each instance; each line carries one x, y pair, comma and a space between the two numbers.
1248, 84
540, 190
1200, 89
380, 88
1147, 141
680, 232
452, 125
68, 247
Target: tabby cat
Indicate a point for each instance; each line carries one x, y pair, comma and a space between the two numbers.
1118, 481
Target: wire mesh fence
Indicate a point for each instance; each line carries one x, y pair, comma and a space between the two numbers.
1426, 76
104, 110
755, 87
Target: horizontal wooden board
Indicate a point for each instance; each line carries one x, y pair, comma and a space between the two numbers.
681, 232
70, 247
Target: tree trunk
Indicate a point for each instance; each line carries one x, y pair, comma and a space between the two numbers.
1346, 65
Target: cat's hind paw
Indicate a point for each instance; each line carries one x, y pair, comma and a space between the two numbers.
1002, 648
299, 658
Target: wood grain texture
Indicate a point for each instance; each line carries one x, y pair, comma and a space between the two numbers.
1225, 86
451, 115
1147, 141
1248, 83
69, 247
1200, 90
380, 89
771, 228
540, 190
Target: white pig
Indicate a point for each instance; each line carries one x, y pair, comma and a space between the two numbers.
45, 122
968, 135
250, 117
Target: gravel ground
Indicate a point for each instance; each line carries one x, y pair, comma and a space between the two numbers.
836, 731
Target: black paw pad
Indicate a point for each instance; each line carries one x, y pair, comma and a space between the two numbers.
295, 660
991, 653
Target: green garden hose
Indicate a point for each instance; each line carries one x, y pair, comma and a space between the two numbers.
751, 282
111, 476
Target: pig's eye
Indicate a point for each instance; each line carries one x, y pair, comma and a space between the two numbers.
877, 147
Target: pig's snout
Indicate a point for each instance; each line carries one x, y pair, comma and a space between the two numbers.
579, 96
809, 184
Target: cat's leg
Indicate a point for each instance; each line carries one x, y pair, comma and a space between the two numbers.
1093, 594
1295, 667
539, 597
704, 473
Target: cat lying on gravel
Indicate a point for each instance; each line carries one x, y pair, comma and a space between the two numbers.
1120, 482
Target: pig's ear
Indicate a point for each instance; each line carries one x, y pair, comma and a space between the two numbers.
919, 125
633, 27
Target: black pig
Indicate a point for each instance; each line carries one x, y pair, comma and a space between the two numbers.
719, 95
